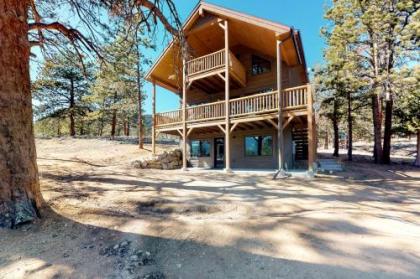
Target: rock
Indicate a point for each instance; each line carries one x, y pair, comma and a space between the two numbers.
120, 250
137, 164
142, 258
166, 160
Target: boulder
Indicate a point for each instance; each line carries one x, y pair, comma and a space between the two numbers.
167, 161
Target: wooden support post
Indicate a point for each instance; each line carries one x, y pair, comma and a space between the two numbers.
273, 123
221, 128
180, 132
227, 87
184, 117
280, 144
154, 118
311, 132
233, 127
190, 131
288, 121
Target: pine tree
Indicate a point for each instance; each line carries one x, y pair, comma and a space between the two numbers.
61, 88
381, 36
407, 111
118, 87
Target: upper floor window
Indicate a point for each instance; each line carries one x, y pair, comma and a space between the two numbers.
260, 65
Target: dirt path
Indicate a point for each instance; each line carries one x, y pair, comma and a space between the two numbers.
107, 220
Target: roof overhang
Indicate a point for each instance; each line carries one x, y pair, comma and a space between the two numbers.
247, 30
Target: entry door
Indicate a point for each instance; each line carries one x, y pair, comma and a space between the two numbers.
219, 153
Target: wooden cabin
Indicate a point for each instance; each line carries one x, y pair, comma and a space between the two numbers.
245, 98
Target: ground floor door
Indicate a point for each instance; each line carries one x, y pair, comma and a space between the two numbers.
219, 153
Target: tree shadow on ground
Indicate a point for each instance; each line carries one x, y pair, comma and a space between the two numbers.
65, 247
58, 247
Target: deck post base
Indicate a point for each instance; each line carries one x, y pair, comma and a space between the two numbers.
228, 170
281, 174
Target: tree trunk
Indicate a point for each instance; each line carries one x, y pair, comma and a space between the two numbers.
326, 139
113, 123
350, 128
125, 127
58, 127
417, 162
71, 109
335, 127
128, 128
20, 195
139, 99
377, 128
82, 127
101, 126
386, 155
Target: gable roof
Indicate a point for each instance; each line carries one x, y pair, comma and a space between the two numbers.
251, 31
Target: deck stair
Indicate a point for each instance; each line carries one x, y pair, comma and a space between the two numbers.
300, 138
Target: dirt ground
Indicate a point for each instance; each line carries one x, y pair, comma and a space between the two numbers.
108, 220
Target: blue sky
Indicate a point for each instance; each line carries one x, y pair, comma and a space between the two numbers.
305, 15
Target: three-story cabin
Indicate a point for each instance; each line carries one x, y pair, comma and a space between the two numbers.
246, 100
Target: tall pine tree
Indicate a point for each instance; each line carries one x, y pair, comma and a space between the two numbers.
61, 88
382, 36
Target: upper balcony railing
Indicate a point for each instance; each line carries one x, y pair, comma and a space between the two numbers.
214, 62
206, 63
292, 99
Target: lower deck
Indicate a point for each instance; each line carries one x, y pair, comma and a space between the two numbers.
250, 149
251, 137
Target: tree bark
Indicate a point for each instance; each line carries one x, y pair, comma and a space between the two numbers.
417, 161
71, 109
326, 142
82, 127
139, 99
125, 127
114, 118
101, 126
377, 128
58, 127
386, 153
113, 123
128, 128
335, 128
20, 195
349, 128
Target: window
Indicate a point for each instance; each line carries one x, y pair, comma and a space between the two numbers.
200, 148
260, 65
259, 146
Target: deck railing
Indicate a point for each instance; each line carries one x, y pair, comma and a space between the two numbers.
258, 103
206, 63
170, 117
292, 98
210, 111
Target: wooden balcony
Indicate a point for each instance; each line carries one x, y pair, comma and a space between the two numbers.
240, 109
213, 64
